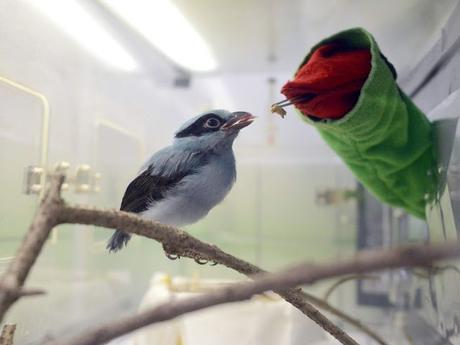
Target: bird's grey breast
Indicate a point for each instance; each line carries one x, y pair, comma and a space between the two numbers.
197, 193
212, 181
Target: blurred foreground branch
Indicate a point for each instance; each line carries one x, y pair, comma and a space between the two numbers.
366, 261
54, 211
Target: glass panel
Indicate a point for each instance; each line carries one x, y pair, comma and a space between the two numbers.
20, 142
21, 146
432, 295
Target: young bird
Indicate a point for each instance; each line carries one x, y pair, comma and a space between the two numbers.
181, 183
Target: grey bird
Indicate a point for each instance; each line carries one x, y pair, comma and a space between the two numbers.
182, 182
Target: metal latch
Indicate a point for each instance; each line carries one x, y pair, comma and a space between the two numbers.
62, 168
87, 181
84, 180
33, 179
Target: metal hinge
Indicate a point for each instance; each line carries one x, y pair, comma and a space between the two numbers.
33, 176
83, 181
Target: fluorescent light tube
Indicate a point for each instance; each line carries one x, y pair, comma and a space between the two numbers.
164, 26
78, 23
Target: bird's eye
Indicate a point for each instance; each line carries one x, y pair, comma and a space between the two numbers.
212, 123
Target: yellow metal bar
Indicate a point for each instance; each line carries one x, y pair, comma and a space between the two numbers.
45, 122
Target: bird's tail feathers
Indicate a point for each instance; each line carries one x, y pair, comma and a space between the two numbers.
118, 240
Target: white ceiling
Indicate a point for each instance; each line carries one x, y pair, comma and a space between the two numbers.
243, 34
273, 35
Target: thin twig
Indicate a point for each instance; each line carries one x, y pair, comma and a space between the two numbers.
7, 335
363, 262
434, 270
324, 305
20, 292
343, 280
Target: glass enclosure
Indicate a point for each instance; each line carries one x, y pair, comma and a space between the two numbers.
83, 92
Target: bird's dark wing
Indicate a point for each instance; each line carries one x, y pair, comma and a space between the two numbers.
147, 188
166, 170
140, 193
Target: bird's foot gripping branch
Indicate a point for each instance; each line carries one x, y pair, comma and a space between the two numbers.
346, 88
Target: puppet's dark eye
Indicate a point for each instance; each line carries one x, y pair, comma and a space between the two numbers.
212, 123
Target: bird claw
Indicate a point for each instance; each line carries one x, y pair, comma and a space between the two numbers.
172, 256
197, 260
201, 261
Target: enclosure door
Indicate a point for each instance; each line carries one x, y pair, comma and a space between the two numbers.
23, 141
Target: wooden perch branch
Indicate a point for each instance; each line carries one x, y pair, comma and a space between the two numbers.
54, 211
180, 243
302, 274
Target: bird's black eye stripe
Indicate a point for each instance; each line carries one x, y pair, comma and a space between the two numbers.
205, 124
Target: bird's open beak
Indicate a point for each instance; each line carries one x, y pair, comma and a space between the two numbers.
239, 120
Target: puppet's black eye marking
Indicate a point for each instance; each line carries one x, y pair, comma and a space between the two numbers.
212, 123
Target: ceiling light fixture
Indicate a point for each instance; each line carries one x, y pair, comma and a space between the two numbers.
164, 26
72, 18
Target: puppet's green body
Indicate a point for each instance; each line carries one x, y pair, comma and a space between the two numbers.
385, 139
